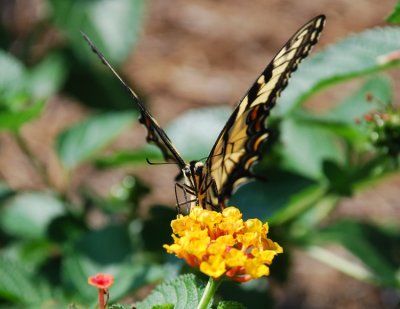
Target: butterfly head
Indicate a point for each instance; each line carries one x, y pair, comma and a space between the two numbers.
193, 168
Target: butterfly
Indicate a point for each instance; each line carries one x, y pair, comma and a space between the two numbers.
238, 146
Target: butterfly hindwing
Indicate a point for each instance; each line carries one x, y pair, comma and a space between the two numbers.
238, 145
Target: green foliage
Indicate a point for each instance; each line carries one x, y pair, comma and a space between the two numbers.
394, 16
375, 246
81, 141
164, 306
183, 292
114, 36
117, 306
356, 56
49, 244
19, 284
14, 120
210, 122
28, 215
230, 305
130, 157
22, 90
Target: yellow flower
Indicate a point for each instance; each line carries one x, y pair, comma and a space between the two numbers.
253, 225
222, 244
214, 266
235, 258
255, 268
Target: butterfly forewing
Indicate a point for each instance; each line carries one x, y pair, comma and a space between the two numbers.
155, 133
238, 145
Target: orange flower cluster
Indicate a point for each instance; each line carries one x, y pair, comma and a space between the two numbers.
221, 243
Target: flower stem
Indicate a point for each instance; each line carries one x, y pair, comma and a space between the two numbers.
209, 292
101, 299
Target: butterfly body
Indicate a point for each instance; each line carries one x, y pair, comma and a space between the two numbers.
193, 182
238, 146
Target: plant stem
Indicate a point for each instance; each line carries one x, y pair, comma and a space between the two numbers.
209, 292
101, 299
349, 268
35, 162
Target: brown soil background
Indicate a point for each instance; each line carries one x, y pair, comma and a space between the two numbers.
199, 53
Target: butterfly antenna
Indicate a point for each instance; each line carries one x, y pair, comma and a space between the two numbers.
159, 163
108, 65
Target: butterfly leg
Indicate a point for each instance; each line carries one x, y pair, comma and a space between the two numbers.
212, 201
186, 190
178, 208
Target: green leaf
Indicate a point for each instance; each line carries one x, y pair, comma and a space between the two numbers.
374, 246
307, 146
394, 16
124, 197
312, 213
164, 306
118, 244
46, 77
28, 215
194, 145
11, 76
267, 199
343, 118
184, 292
5, 191
298, 204
230, 305
118, 306
130, 157
20, 90
339, 178
17, 284
159, 219
113, 25
195, 132
89, 257
14, 120
30, 253
131, 274
75, 271
253, 294
357, 105
82, 141
355, 56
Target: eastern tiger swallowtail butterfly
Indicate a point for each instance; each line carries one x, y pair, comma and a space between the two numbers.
238, 146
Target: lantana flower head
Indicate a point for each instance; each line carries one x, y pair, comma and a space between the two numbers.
222, 244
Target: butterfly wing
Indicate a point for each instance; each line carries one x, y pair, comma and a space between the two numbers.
155, 133
238, 145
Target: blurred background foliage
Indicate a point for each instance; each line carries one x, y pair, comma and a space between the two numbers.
75, 189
